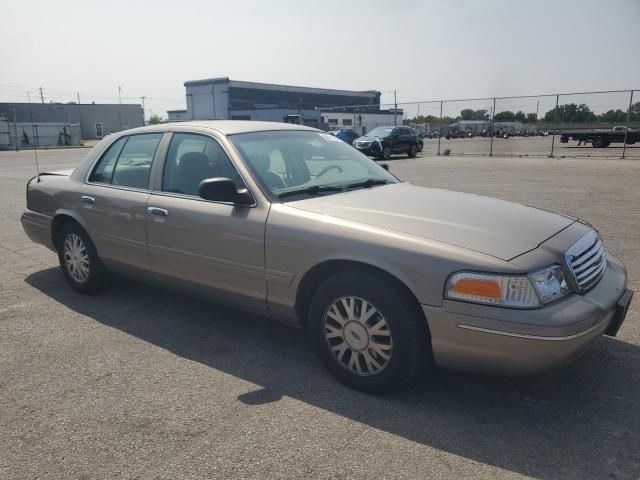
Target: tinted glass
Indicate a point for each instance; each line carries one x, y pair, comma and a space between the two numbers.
284, 161
104, 169
134, 162
191, 159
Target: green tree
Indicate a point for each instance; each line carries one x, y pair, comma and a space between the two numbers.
506, 116
613, 116
532, 118
520, 116
635, 112
481, 115
466, 114
155, 119
571, 113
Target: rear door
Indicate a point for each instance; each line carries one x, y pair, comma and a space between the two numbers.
112, 201
219, 246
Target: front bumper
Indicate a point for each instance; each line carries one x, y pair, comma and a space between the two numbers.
372, 150
501, 340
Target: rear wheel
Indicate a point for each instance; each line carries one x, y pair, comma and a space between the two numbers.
367, 332
599, 142
413, 151
79, 260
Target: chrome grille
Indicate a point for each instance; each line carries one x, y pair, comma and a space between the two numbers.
587, 260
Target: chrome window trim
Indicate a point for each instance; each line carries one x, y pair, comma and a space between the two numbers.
160, 156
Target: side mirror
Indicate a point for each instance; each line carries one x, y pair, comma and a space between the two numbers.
221, 189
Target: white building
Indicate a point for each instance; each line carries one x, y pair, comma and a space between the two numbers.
361, 122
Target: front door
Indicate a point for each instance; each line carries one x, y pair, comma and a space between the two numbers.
219, 246
113, 201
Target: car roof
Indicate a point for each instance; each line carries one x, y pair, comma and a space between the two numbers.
225, 127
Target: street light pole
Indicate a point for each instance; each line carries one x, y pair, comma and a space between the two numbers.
395, 108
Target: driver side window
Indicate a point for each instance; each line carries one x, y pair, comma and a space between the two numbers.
192, 158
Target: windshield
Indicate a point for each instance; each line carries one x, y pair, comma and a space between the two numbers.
288, 161
380, 132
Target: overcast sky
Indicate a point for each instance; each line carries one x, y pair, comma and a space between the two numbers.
423, 49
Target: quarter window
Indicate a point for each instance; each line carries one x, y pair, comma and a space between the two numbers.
193, 158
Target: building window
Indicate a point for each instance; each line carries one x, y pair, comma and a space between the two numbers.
347, 122
99, 130
332, 121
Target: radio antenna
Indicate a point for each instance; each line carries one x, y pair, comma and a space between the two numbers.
33, 133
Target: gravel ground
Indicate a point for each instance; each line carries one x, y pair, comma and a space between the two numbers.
142, 383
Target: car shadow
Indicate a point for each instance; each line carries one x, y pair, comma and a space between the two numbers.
580, 421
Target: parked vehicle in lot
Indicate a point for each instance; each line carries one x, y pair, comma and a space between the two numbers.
345, 134
382, 142
289, 222
601, 138
420, 137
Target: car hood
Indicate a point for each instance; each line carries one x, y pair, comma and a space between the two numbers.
495, 227
369, 139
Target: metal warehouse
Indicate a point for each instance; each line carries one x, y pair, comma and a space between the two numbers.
95, 120
223, 98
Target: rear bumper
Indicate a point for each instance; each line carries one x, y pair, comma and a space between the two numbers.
507, 341
38, 228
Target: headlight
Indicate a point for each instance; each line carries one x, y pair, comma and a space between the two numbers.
550, 283
507, 291
517, 291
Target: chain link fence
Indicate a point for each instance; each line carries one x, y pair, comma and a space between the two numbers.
580, 124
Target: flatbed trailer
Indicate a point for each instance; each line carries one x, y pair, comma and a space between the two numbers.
601, 138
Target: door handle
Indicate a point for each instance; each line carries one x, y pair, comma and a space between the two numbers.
87, 199
161, 212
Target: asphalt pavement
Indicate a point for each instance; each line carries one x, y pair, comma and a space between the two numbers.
139, 382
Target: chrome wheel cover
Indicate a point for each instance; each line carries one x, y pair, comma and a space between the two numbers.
76, 258
358, 335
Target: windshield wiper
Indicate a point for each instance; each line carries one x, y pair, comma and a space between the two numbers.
312, 190
368, 183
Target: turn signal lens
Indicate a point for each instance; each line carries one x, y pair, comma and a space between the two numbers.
509, 291
477, 287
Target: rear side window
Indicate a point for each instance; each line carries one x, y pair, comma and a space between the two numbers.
128, 161
104, 170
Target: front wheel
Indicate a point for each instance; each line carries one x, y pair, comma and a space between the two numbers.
79, 260
367, 332
386, 153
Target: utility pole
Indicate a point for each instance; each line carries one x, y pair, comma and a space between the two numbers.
78, 93
120, 94
537, 107
142, 98
41, 95
395, 108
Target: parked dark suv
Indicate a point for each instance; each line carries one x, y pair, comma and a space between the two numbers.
383, 142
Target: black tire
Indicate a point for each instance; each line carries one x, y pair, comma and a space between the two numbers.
406, 327
599, 142
413, 151
386, 153
97, 277
420, 146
